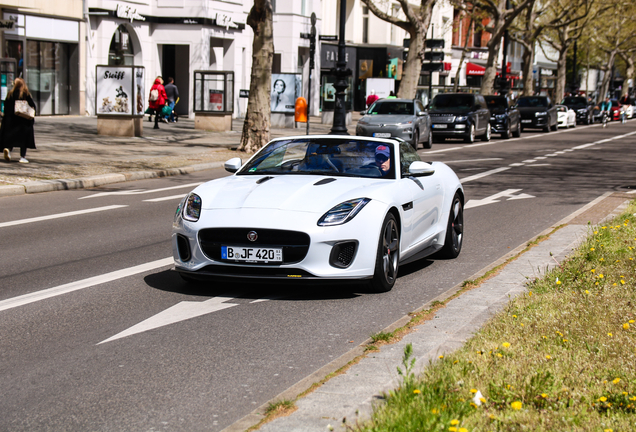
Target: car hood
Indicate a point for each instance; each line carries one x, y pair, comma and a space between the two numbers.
287, 192
387, 119
453, 111
532, 110
497, 110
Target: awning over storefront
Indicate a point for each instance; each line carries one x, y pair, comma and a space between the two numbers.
473, 69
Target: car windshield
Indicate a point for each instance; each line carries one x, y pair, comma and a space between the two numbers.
532, 102
496, 103
324, 156
391, 107
446, 101
575, 102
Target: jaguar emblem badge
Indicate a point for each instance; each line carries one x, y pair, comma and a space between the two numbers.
252, 236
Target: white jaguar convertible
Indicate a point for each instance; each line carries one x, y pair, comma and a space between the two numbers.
327, 207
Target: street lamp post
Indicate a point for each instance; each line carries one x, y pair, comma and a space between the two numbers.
341, 72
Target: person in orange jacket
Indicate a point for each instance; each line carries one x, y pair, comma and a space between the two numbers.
157, 99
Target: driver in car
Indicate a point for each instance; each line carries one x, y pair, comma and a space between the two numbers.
383, 159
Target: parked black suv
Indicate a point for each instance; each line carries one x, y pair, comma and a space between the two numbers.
538, 112
504, 117
459, 115
584, 110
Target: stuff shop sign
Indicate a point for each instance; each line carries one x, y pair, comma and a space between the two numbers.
119, 90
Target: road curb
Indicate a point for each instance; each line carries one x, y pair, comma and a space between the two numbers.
100, 180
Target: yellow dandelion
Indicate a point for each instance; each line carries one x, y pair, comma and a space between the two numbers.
595, 232
616, 380
622, 282
547, 357
516, 405
631, 321
593, 270
609, 334
626, 326
530, 293
587, 292
434, 411
473, 404
592, 249
514, 316
456, 361
544, 337
558, 282
625, 393
454, 422
565, 340
441, 356
473, 390
600, 276
491, 416
452, 429
521, 324
602, 399
505, 344
416, 391
462, 430
614, 284
499, 355
544, 395
608, 430
482, 399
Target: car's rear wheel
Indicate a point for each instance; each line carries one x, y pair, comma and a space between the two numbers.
517, 132
546, 129
471, 135
486, 136
416, 139
429, 142
454, 231
555, 126
388, 256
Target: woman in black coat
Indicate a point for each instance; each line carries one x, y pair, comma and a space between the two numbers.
17, 131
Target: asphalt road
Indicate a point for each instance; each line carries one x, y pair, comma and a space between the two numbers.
86, 344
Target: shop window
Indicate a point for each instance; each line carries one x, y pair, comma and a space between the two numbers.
47, 75
14, 49
214, 91
121, 52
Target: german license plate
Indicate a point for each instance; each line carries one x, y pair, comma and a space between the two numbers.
440, 126
382, 135
526, 121
252, 255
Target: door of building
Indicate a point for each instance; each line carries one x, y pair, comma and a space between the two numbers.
176, 64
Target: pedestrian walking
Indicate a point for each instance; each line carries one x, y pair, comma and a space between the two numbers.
371, 98
17, 123
172, 94
157, 99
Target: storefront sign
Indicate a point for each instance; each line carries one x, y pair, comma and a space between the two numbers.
126, 12
473, 69
244, 93
7, 25
227, 21
329, 56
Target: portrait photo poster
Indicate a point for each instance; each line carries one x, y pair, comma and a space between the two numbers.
286, 88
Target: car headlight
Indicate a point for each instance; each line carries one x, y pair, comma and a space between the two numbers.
192, 208
540, 114
461, 118
343, 212
405, 123
460, 126
500, 116
179, 209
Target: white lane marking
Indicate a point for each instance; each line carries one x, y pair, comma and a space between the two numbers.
509, 193
472, 160
81, 284
141, 191
529, 161
517, 164
540, 157
179, 312
484, 174
543, 164
59, 215
165, 198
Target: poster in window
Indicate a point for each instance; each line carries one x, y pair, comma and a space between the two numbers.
365, 69
330, 92
286, 88
216, 100
139, 90
114, 90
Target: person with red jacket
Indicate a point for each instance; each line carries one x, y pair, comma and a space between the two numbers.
157, 99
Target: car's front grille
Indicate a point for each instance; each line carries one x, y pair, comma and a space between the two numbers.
295, 244
442, 118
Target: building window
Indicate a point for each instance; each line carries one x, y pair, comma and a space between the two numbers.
365, 24
121, 51
47, 75
477, 39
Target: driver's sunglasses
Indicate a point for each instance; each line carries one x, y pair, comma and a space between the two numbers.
381, 158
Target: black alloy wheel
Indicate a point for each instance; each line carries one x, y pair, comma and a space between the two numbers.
388, 256
486, 136
454, 231
517, 132
470, 138
506, 134
416, 139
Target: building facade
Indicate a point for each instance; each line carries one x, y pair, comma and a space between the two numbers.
43, 42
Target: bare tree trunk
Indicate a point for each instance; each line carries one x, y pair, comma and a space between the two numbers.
629, 73
413, 65
488, 80
258, 117
528, 78
464, 52
606, 77
561, 73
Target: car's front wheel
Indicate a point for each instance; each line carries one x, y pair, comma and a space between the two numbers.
454, 231
429, 142
388, 256
470, 138
486, 136
506, 134
416, 139
517, 132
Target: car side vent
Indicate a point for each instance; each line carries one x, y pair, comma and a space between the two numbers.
183, 246
342, 254
324, 181
264, 179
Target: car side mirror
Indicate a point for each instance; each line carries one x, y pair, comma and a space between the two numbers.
420, 169
421, 113
233, 165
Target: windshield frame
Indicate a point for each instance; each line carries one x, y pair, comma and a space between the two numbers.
306, 155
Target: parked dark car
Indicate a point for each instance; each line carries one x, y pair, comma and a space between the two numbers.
504, 117
459, 115
583, 108
538, 112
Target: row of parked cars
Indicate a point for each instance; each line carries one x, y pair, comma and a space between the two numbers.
471, 116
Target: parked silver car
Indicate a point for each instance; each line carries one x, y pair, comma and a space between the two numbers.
402, 118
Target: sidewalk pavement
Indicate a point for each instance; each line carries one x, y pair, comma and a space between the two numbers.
70, 154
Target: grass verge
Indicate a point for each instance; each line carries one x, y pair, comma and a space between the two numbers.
560, 357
